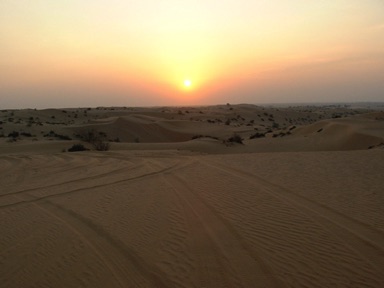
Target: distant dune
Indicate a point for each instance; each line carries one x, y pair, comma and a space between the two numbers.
263, 129
178, 201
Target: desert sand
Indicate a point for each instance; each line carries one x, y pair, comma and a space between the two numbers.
175, 203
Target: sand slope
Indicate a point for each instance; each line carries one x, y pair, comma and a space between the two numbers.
300, 207
167, 219
307, 128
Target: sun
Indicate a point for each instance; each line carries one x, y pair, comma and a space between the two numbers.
187, 83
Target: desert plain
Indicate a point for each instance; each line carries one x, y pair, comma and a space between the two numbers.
211, 196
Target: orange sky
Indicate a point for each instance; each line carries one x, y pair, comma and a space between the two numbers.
139, 53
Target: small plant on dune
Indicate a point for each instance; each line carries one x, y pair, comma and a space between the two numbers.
275, 125
88, 135
101, 145
235, 139
77, 147
13, 134
204, 136
59, 136
26, 134
96, 139
257, 135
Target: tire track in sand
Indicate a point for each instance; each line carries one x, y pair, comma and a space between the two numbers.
95, 176
367, 242
246, 267
210, 265
31, 198
128, 268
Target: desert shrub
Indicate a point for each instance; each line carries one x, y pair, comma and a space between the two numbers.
50, 134
204, 136
101, 145
63, 137
96, 139
89, 135
257, 135
235, 139
13, 134
77, 147
26, 134
59, 136
281, 134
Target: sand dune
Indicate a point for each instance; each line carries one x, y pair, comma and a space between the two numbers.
248, 220
352, 133
303, 209
307, 128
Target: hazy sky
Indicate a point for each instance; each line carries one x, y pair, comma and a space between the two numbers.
140, 52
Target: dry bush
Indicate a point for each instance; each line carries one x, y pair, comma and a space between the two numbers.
235, 139
77, 147
96, 139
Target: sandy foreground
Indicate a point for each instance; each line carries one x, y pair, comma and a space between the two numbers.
305, 210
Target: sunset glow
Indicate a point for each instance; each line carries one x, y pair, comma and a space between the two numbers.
187, 83
74, 53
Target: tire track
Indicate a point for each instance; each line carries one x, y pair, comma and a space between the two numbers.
29, 169
121, 261
12, 174
33, 198
210, 264
368, 243
95, 247
247, 264
27, 194
98, 176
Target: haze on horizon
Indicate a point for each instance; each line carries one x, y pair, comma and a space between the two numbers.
148, 53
